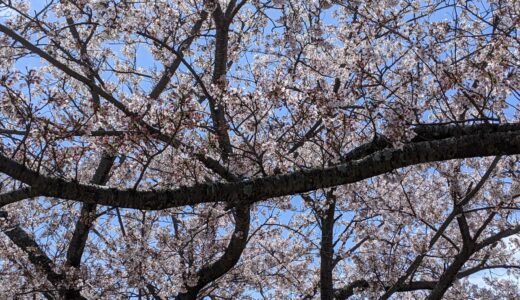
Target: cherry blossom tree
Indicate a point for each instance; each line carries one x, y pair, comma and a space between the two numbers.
277, 149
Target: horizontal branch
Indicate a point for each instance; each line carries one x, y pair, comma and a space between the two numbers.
16, 195
429, 133
496, 142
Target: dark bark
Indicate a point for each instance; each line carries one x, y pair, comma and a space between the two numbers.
41, 262
77, 244
254, 190
16, 195
348, 291
222, 23
449, 276
84, 223
228, 260
327, 250
453, 272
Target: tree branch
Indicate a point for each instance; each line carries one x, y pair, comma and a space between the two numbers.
228, 260
16, 195
40, 260
172, 68
258, 189
80, 235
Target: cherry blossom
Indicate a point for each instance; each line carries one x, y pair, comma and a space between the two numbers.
265, 149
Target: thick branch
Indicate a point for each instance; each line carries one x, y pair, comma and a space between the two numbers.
219, 78
497, 237
430, 133
79, 238
40, 260
228, 260
348, 291
450, 274
16, 195
327, 249
478, 145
